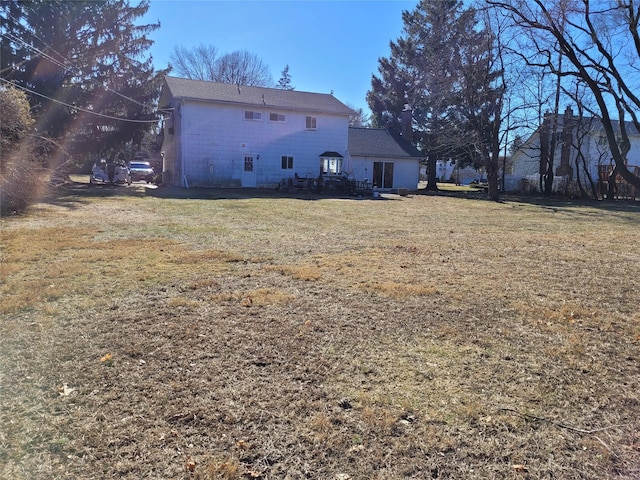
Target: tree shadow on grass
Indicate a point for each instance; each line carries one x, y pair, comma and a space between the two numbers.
73, 194
581, 207
247, 193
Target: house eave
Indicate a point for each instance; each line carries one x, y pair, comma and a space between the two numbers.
261, 105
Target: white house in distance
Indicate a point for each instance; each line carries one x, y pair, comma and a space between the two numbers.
225, 135
582, 153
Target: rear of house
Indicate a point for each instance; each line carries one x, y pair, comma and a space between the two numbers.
224, 135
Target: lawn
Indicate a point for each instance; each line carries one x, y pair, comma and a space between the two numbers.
184, 334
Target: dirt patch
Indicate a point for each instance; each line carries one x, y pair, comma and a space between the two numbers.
273, 337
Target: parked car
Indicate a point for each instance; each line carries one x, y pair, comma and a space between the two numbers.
110, 172
141, 171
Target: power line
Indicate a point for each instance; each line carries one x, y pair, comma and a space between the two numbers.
68, 65
103, 115
13, 38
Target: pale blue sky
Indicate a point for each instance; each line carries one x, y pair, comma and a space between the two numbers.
329, 45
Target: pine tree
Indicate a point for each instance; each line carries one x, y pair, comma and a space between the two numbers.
83, 64
433, 70
285, 80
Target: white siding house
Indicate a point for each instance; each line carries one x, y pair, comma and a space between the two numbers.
582, 153
224, 135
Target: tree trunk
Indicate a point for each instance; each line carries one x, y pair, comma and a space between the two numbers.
431, 173
493, 182
612, 187
548, 179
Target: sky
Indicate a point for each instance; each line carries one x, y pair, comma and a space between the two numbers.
329, 45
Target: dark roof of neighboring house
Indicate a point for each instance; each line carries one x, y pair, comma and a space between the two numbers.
379, 142
184, 88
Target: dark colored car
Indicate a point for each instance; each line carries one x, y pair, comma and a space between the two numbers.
141, 171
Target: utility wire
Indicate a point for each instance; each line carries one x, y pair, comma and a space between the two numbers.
68, 65
103, 115
13, 38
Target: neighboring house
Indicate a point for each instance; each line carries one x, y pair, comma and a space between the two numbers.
581, 155
225, 135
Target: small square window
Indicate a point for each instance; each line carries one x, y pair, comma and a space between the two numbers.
287, 163
276, 117
311, 123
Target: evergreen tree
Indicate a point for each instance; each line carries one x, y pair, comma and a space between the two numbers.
433, 70
84, 68
285, 80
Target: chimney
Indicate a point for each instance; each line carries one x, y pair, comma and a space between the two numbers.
568, 113
406, 124
568, 125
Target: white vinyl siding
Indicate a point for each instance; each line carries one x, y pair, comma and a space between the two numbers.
227, 133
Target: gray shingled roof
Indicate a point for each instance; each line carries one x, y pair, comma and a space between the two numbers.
187, 89
379, 142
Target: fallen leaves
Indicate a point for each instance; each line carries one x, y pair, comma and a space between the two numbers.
189, 464
519, 468
65, 390
107, 359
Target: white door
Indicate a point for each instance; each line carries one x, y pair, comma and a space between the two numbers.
248, 172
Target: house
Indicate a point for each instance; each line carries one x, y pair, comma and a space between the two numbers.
582, 157
383, 158
225, 135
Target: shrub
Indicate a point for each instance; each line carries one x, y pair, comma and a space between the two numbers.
21, 173
21, 182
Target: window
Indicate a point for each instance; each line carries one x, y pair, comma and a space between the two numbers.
311, 123
249, 115
276, 117
331, 163
287, 163
248, 163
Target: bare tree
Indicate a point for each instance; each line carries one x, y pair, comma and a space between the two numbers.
203, 63
198, 63
600, 42
243, 68
359, 118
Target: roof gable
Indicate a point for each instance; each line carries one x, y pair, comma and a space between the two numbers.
200, 90
379, 142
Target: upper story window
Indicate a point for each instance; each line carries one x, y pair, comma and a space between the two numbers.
311, 123
277, 117
250, 115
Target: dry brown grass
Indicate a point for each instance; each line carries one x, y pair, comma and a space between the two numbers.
272, 337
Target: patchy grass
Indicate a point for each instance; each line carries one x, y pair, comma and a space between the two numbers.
225, 336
